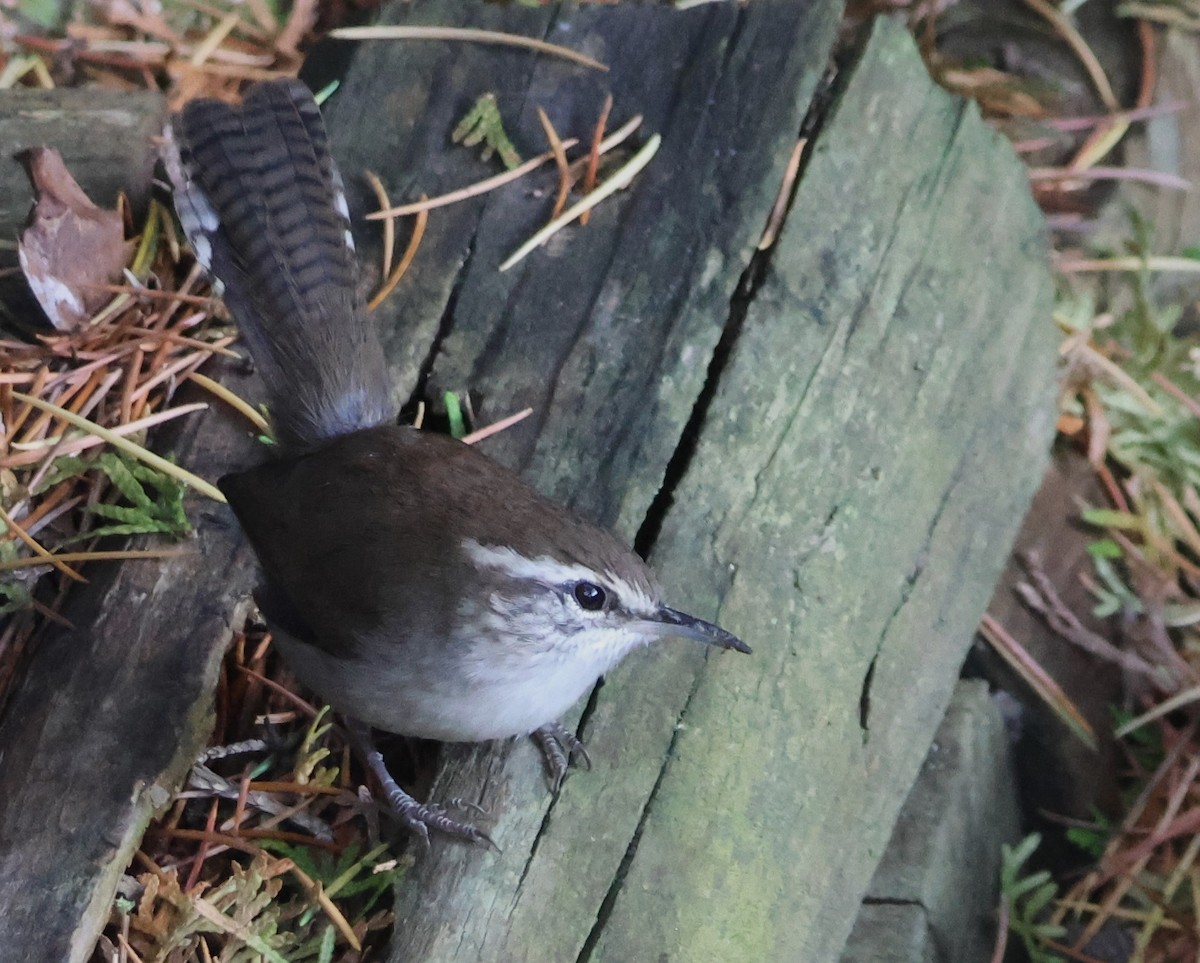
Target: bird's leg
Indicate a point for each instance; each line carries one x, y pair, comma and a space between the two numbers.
559, 745
417, 817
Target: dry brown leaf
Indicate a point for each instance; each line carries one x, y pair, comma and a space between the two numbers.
69, 245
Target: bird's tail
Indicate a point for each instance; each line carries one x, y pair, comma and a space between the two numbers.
262, 205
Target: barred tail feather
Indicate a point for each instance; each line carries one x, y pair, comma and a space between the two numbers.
262, 204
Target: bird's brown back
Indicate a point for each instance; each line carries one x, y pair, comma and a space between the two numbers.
398, 504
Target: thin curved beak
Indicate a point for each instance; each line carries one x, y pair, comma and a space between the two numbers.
671, 622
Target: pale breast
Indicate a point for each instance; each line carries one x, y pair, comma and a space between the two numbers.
424, 695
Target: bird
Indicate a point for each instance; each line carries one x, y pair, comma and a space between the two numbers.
413, 583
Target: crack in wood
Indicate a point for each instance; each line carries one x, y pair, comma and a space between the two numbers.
744, 294
864, 698
614, 890
535, 844
444, 328
893, 901
906, 590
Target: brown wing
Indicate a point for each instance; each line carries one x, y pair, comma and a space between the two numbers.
365, 536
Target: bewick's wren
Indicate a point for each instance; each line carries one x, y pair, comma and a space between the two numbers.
412, 582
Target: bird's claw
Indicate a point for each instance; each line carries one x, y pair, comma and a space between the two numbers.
559, 746
418, 818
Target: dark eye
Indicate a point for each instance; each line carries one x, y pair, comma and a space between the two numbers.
590, 596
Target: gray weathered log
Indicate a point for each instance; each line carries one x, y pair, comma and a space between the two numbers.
608, 335
108, 717
105, 721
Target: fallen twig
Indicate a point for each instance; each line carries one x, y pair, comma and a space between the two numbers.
468, 34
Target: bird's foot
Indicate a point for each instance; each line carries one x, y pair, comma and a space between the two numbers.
418, 818
559, 746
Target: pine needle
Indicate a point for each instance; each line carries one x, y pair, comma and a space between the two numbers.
43, 556
473, 190
496, 427
389, 224
410, 252
560, 161
238, 404
1069, 265
117, 441
1177, 701
619, 180
113, 556
593, 158
467, 34
1047, 689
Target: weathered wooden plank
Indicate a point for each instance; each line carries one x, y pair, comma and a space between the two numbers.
608, 336
876, 436
942, 864
394, 114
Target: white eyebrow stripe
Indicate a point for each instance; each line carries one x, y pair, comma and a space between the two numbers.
515, 565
